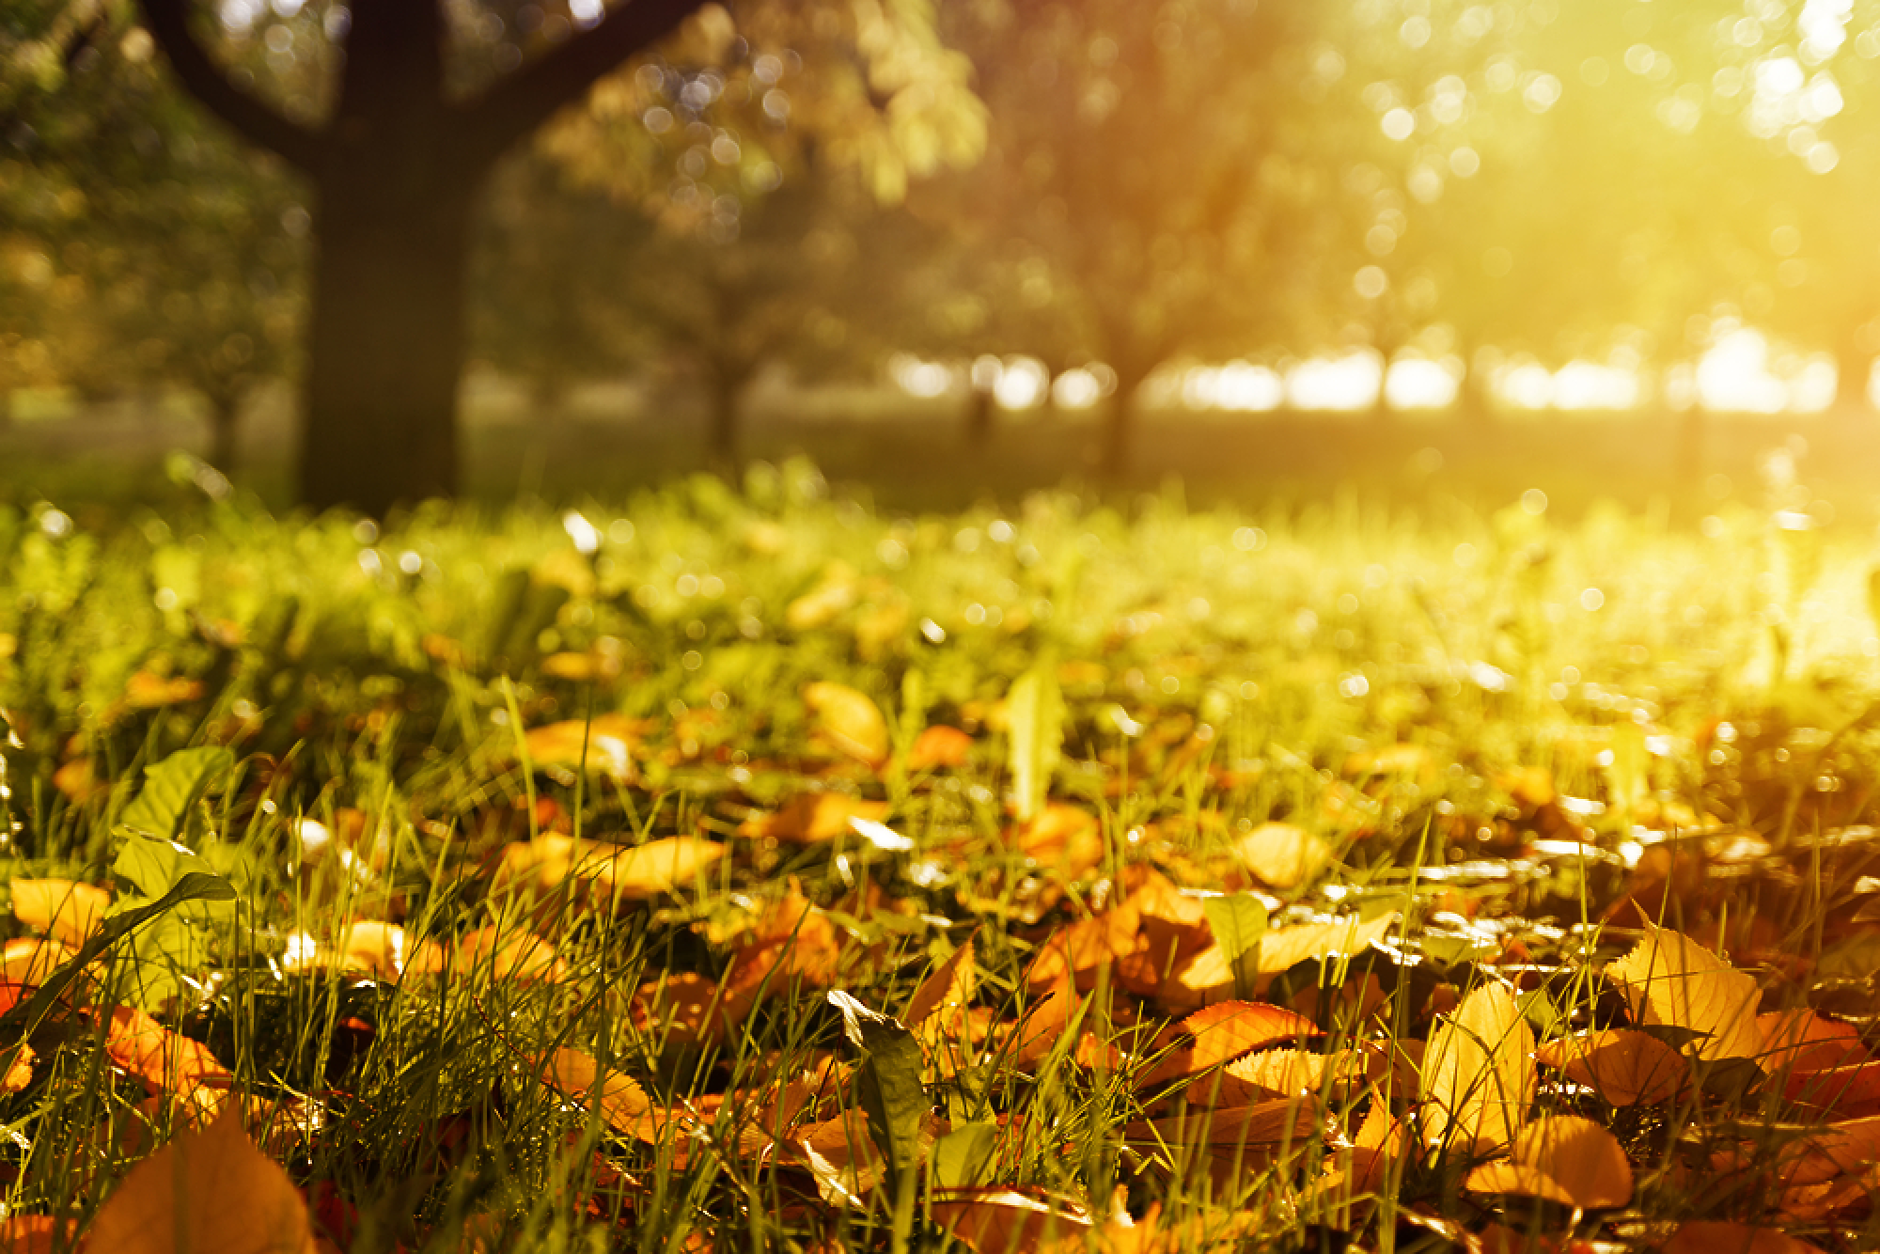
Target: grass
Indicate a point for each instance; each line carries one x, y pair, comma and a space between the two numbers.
1501, 728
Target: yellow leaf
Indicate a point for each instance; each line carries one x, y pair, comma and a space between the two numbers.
947, 988
1287, 1121
1624, 1066
69, 912
1282, 855
1670, 979
848, 721
208, 1190
1575, 1160
813, 817
605, 745
1478, 1074
1225, 1031
1002, 1221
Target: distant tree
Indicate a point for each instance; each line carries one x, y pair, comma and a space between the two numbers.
397, 161
1140, 159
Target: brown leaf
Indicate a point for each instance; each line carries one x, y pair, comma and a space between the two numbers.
35, 1234
1716, 1237
208, 1190
684, 1008
848, 721
1624, 1066
1478, 1074
67, 911
1671, 979
1282, 855
1225, 1031
790, 940
1563, 1158
1290, 1121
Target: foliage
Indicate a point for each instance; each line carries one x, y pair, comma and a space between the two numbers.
657, 876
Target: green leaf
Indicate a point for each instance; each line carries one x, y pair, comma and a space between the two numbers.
963, 1157
1035, 714
1238, 921
33, 1011
892, 1096
153, 867
172, 786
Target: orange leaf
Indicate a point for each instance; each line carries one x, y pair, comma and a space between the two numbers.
1283, 855
208, 1190
606, 744
1517, 1178
939, 747
1001, 1221
1287, 1072
1714, 1237
69, 912
35, 1234
947, 988
1802, 1040
813, 817
1624, 1066
1225, 1031
1478, 1074
1288, 1121
1830, 1088
576, 1075
684, 1008
1671, 979
166, 1061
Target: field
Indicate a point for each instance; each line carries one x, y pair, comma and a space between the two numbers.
753, 869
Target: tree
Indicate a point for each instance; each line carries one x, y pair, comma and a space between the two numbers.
396, 168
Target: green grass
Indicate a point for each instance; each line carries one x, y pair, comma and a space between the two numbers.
1218, 671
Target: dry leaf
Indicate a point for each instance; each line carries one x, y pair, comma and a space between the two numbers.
166, 1061
605, 744
791, 940
26, 961
939, 748
208, 1190
493, 951
1802, 1040
1225, 1031
35, 1234
1670, 979
1478, 1074
946, 990
576, 1075
1563, 1158
1209, 977
1624, 1066
813, 817
1062, 836
1282, 855
67, 911
848, 721
1289, 1121
1002, 1221
684, 1008
1714, 1237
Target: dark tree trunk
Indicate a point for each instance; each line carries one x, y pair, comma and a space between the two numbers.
1119, 423
724, 427
394, 177
386, 347
225, 413
981, 416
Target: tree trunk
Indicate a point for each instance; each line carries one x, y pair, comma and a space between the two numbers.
224, 426
981, 414
722, 434
1119, 424
387, 342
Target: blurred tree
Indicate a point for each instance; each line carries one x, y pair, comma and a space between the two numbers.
1140, 160
155, 254
412, 132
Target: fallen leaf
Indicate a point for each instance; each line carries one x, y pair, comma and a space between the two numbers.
35, 1234
1223, 1032
1062, 836
685, 1008
791, 940
606, 745
26, 961
1624, 1066
1290, 1072
938, 1008
813, 817
1478, 1074
208, 1190
1283, 947
166, 1061
1670, 979
1282, 855
621, 1101
1563, 1158
1287, 1121
939, 748
848, 721
148, 691
1003, 1221
1801, 1040
69, 912
1717, 1237
493, 951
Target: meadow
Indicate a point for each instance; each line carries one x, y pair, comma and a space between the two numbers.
754, 868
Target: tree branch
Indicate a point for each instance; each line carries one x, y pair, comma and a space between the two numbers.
524, 100
168, 21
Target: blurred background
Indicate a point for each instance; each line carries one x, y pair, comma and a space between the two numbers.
1596, 247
